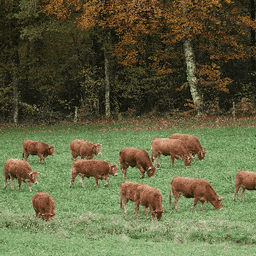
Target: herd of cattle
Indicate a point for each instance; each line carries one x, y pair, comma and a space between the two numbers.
177, 146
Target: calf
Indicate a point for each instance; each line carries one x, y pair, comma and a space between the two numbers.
37, 148
136, 157
193, 144
43, 205
20, 170
177, 149
149, 197
85, 149
127, 192
98, 169
199, 189
246, 180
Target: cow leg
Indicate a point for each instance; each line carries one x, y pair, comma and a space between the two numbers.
237, 187
141, 170
242, 193
29, 186
41, 158
25, 155
81, 179
106, 182
5, 181
176, 199
73, 176
137, 206
170, 198
202, 205
123, 204
194, 203
124, 169
11, 183
19, 182
96, 181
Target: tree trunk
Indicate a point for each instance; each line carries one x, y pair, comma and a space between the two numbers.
107, 84
253, 40
191, 76
15, 94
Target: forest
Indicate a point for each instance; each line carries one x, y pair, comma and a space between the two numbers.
66, 59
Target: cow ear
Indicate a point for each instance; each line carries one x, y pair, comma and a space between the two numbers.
149, 168
30, 174
219, 199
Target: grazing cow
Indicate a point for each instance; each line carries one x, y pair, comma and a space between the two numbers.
136, 157
41, 149
43, 205
246, 180
199, 189
127, 192
85, 149
177, 149
193, 144
149, 197
98, 169
20, 170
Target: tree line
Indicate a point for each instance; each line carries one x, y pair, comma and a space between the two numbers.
105, 57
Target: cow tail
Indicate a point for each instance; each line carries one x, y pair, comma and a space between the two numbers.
121, 203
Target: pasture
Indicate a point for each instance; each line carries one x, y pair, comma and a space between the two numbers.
89, 221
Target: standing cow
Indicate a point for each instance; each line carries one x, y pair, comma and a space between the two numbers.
136, 157
149, 197
193, 144
127, 192
246, 180
43, 205
85, 149
20, 170
41, 149
177, 149
98, 169
199, 189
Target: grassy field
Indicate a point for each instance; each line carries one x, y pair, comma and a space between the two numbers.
89, 220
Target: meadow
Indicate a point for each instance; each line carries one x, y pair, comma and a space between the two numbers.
89, 221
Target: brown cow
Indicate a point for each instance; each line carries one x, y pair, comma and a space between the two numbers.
127, 192
193, 144
85, 149
20, 170
136, 157
98, 169
149, 197
246, 180
177, 149
199, 189
41, 149
43, 205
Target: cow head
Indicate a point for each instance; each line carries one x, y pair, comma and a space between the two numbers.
113, 169
48, 216
96, 149
201, 155
159, 213
151, 170
217, 203
188, 160
33, 177
51, 150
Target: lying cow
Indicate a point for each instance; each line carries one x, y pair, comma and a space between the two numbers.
43, 205
136, 157
193, 144
85, 149
149, 197
41, 149
177, 149
127, 192
246, 180
98, 169
199, 189
20, 170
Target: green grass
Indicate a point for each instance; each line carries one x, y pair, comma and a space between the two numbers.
89, 220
